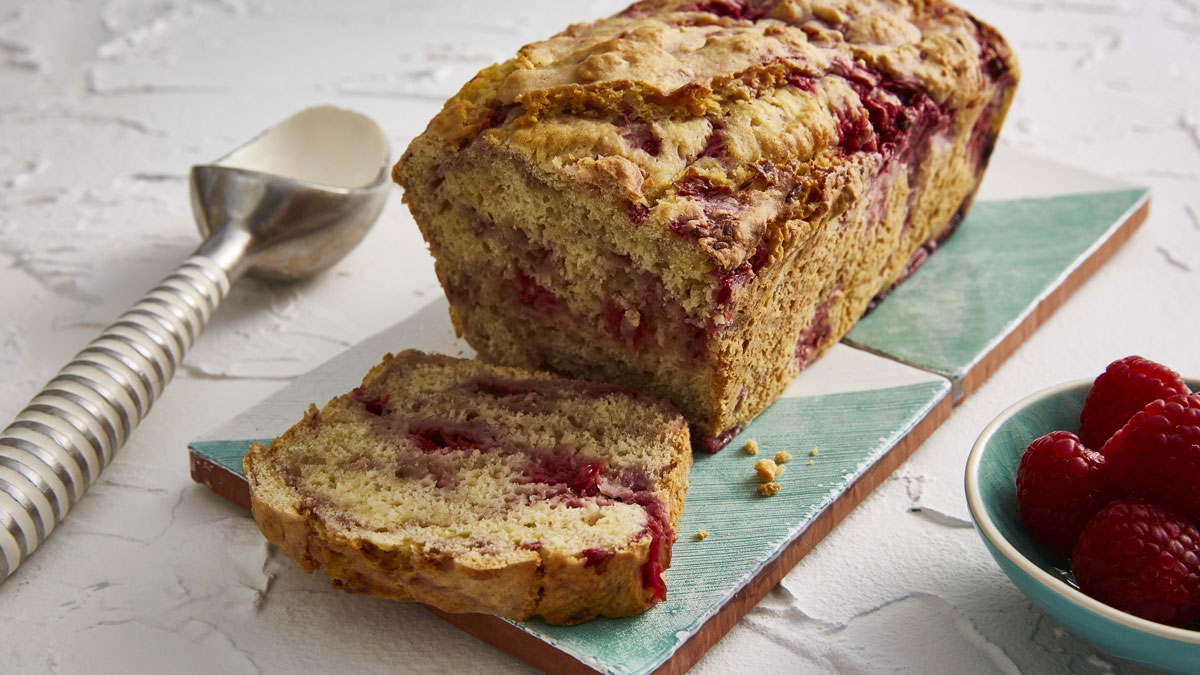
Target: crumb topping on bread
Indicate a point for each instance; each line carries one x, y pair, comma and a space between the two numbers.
674, 105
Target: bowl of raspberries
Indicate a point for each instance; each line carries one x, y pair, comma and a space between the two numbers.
1088, 496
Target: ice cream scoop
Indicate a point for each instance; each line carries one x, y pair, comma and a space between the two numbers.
285, 205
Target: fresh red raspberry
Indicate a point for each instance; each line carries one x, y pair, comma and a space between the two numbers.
1141, 558
1123, 389
1157, 454
1060, 486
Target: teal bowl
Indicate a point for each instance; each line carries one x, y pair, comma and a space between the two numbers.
1042, 576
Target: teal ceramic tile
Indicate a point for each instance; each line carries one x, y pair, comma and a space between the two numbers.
746, 530
1006, 257
227, 454
851, 406
852, 430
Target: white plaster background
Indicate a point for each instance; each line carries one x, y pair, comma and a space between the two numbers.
105, 103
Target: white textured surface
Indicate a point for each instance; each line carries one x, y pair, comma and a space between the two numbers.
106, 103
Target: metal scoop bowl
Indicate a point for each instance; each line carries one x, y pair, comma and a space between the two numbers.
286, 205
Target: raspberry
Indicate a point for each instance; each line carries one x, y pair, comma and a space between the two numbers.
1060, 486
1123, 389
1141, 558
1157, 454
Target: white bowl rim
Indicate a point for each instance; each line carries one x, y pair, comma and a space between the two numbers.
1056, 585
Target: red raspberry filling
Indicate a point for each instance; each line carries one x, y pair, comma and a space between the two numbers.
894, 120
721, 207
433, 438
596, 557
818, 329
587, 478
799, 81
376, 405
734, 9
530, 292
714, 444
652, 570
639, 134
638, 213
661, 539
714, 147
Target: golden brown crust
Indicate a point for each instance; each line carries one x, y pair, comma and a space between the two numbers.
554, 581
671, 62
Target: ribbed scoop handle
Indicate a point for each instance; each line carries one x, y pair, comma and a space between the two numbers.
59, 443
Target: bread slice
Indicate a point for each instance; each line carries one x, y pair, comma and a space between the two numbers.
478, 488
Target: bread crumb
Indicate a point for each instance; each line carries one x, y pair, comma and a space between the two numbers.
751, 447
810, 462
768, 489
779, 470
782, 456
812, 453
701, 534
765, 469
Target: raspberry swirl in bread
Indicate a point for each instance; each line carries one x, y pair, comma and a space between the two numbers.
476, 488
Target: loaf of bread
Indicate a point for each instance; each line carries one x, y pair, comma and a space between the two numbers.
478, 488
697, 198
